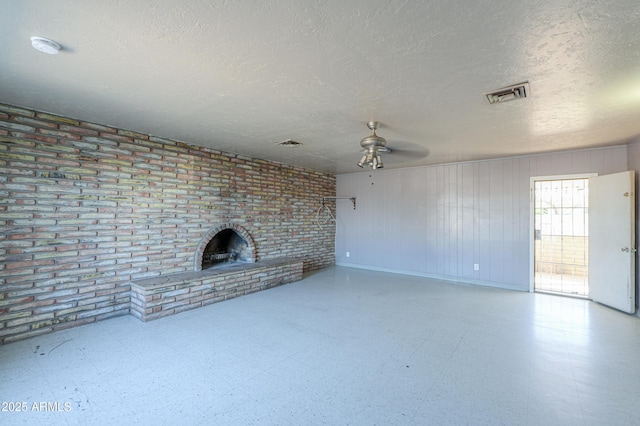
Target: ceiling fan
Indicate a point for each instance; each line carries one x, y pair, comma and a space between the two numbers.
372, 146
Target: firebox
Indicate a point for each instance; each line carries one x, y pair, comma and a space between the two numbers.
224, 245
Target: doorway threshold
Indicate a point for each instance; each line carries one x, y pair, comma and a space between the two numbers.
558, 293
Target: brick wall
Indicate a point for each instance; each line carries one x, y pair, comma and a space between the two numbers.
562, 254
84, 208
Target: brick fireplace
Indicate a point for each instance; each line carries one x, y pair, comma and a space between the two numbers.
223, 245
87, 209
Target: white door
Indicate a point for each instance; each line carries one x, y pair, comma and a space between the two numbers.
611, 240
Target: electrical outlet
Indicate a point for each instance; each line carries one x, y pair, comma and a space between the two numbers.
348, 254
476, 266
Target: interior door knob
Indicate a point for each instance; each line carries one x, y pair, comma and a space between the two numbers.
625, 249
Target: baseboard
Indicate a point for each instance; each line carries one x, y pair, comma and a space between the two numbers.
437, 277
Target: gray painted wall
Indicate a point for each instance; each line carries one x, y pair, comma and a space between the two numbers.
440, 220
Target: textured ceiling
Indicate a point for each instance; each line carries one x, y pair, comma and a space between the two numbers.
241, 76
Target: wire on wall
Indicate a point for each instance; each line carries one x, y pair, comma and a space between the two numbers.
324, 215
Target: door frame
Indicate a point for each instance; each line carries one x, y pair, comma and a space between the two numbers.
532, 219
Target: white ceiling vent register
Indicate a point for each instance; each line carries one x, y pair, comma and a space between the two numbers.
509, 93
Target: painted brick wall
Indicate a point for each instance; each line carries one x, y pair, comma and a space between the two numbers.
84, 208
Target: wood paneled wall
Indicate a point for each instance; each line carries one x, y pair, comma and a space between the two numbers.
634, 164
440, 220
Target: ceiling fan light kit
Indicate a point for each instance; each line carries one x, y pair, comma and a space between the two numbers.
373, 145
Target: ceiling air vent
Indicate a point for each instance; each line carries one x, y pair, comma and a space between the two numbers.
510, 93
290, 142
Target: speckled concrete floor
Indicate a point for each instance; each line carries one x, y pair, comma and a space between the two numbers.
342, 346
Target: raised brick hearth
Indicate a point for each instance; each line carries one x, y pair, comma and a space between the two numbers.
167, 295
87, 209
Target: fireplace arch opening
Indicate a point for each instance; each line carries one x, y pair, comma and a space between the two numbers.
223, 245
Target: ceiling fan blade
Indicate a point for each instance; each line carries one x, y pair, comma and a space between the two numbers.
413, 154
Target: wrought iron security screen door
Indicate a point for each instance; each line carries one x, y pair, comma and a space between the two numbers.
561, 242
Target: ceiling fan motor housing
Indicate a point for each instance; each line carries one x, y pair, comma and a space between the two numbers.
373, 140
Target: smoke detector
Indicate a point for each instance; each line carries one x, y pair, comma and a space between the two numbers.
509, 93
45, 45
